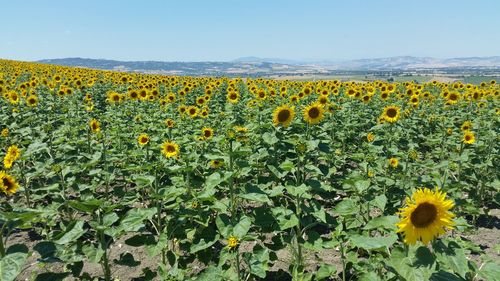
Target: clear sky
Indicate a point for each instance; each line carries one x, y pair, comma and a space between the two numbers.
216, 30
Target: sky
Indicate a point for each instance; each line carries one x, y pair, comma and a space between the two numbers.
216, 30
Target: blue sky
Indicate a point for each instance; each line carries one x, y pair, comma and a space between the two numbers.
224, 30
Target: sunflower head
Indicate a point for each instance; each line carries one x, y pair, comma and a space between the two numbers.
469, 137
207, 133
425, 216
216, 163
170, 149
232, 242
283, 115
95, 126
370, 137
393, 162
8, 184
170, 123
32, 100
313, 113
391, 113
143, 139
5, 132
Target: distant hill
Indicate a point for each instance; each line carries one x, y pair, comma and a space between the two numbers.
254, 66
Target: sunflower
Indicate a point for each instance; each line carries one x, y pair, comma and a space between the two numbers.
283, 115
466, 126
95, 126
32, 100
233, 96
216, 163
425, 216
313, 113
170, 149
192, 111
8, 184
393, 162
5, 132
143, 139
170, 123
207, 133
391, 113
370, 137
14, 152
13, 97
7, 162
232, 242
469, 137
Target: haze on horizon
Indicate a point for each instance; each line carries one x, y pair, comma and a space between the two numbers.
226, 30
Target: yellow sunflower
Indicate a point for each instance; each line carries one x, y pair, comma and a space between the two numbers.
391, 113
207, 133
32, 100
95, 126
170, 149
232, 242
233, 97
466, 126
8, 184
469, 137
5, 132
283, 115
143, 139
170, 123
393, 162
216, 163
425, 216
313, 113
370, 137
14, 152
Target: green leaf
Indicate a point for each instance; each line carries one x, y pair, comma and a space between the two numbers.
490, 271
73, 231
346, 207
242, 227
89, 206
362, 185
258, 261
372, 243
94, 254
134, 218
380, 201
287, 165
369, 276
203, 244
325, 271
446, 276
11, 265
384, 222
299, 191
224, 225
269, 138
254, 193
452, 256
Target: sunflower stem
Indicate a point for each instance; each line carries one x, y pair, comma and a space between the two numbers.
2, 247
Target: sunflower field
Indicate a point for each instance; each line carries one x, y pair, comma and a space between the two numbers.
128, 176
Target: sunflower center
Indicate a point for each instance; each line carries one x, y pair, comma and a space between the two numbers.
8, 184
467, 138
391, 112
424, 215
170, 148
207, 133
283, 115
313, 112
